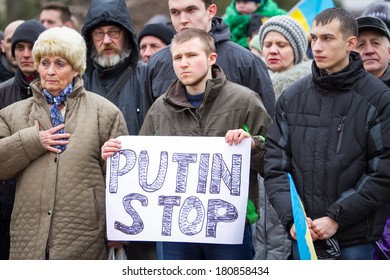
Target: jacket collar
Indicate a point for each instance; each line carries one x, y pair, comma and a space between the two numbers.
77, 91
342, 80
24, 85
386, 76
219, 30
176, 93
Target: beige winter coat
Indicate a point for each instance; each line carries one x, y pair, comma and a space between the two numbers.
59, 210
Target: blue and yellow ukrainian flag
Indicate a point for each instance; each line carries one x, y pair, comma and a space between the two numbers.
306, 10
305, 243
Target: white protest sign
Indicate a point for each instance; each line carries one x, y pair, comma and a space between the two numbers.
180, 189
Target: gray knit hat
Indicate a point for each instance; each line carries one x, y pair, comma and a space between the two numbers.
28, 31
289, 28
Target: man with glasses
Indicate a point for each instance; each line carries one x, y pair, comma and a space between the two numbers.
115, 72
113, 67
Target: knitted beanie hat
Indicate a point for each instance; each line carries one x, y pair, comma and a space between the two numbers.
379, 10
289, 28
162, 31
28, 31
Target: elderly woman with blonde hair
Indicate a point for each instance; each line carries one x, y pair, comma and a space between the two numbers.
51, 142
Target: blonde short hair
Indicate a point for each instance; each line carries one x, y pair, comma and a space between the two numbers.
64, 42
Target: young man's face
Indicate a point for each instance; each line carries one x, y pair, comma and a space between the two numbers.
23, 56
330, 49
191, 14
374, 49
192, 65
51, 18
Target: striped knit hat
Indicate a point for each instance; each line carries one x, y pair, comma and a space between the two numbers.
289, 28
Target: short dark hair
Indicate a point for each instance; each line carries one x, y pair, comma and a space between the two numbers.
66, 15
192, 33
348, 24
208, 3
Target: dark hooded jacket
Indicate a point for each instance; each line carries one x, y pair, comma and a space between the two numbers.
131, 98
332, 133
14, 89
5, 72
239, 64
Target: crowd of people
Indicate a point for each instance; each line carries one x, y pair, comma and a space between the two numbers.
316, 108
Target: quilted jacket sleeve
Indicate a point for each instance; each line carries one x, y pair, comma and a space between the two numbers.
277, 165
372, 191
114, 126
17, 149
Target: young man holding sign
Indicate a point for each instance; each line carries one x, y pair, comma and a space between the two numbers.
202, 102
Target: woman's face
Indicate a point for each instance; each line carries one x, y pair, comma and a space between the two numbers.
277, 52
56, 74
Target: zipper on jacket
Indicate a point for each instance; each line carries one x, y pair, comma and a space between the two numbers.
198, 117
340, 130
50, 213
367, 228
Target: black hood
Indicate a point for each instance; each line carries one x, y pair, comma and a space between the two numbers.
113, 12
219, 30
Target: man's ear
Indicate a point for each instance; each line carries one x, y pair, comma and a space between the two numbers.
213, 58
69, 24
351, 43
212, 10
388, 49
2, 46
